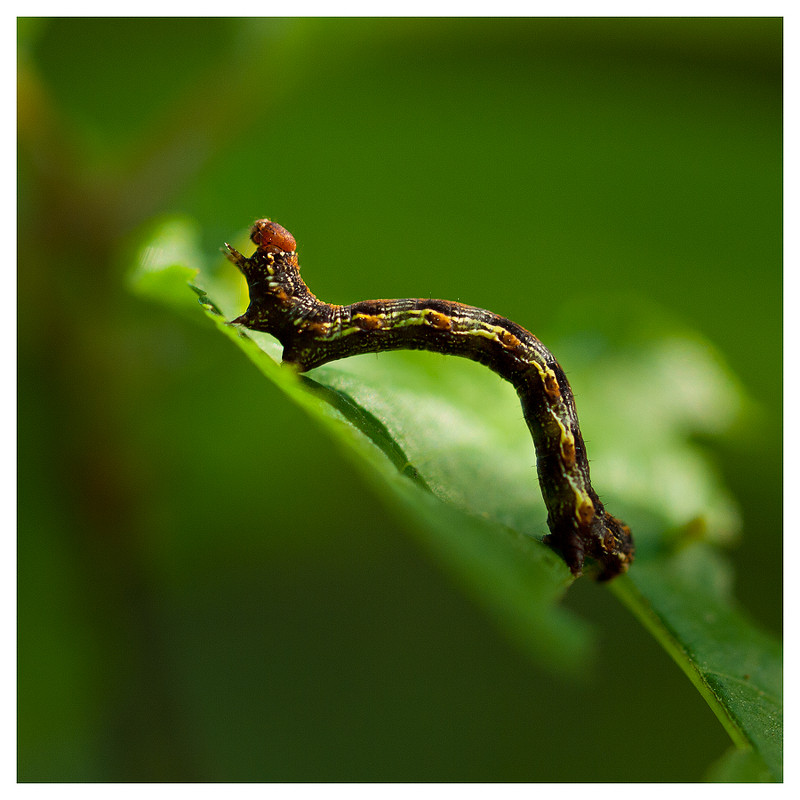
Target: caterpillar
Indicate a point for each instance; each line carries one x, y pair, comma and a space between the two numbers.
313, 333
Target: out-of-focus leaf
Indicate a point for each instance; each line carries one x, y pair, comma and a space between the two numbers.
165, 261
739, 766
655, 389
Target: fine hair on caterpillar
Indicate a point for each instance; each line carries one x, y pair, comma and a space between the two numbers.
313, 333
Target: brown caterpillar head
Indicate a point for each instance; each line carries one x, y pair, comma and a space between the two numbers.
269, 237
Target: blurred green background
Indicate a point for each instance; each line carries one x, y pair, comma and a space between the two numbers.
258, 614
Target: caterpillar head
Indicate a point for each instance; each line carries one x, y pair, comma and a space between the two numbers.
273, 278
269, 237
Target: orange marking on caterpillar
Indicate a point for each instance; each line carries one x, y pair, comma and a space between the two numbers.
367, 322
437, 320
568, 453
507, 339
551, 385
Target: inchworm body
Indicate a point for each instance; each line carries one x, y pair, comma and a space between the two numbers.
313, 333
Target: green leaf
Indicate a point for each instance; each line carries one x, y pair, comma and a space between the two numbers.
443, 442
684, 598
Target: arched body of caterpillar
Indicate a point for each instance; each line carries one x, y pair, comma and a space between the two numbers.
313, 333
